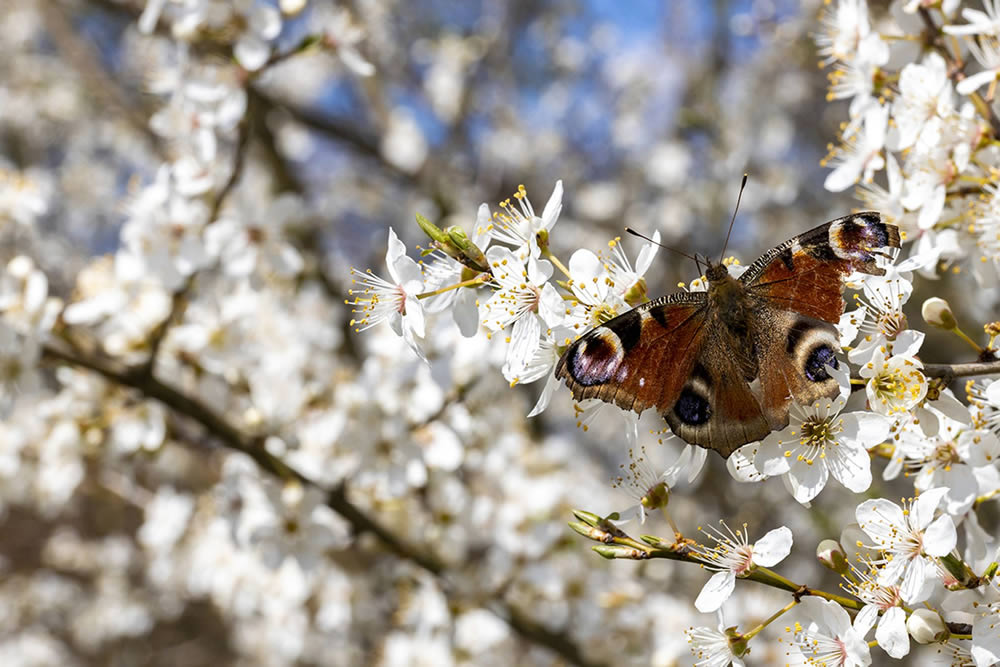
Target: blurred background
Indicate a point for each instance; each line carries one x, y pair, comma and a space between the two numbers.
649, 112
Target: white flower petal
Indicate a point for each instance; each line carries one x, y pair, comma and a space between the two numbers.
923, 507
773, 547
770, 459
525, 339
865, 428
716, 591
908, 343
914, 579
851, 466
807, 481
940, 537
865, 619
553, 207
891, 633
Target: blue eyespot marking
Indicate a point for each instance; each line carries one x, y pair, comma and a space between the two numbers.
692, 409
819, 358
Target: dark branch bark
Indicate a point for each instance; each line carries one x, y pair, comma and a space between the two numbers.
336, 498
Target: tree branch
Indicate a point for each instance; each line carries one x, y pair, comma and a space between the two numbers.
951, 371
336, 498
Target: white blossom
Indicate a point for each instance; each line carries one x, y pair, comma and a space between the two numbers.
734, 556
395, 300
910, 537
827, 636
820, 441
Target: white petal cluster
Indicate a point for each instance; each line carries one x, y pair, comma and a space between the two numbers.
196, 431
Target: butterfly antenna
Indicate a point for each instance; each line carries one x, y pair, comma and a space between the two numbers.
731, 222
665, 247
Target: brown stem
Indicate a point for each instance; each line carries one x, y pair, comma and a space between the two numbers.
951, 371
336, 498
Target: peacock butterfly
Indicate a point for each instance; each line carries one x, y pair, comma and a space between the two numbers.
723, 366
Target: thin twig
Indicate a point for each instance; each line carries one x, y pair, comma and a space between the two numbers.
951, 371
336, 498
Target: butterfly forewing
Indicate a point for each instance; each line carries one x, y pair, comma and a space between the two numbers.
805, 274
640, 359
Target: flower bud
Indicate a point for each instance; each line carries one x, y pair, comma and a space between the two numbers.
831, 554
588, 518
926, 626
433, 231
472, 256
613, 551
937, 313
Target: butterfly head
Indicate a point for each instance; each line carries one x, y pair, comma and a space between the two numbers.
717, 273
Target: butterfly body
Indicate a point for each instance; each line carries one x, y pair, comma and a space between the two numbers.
723, 366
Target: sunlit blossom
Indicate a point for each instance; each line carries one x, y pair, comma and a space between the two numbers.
732, 555
394, 301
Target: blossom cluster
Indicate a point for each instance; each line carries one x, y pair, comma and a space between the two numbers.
204, 452
935, 138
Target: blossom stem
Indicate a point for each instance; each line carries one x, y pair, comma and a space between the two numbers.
987, 496
961, 334
666, 515
752, 633
471, 282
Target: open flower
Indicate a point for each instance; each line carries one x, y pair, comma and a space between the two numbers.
820, 441
525, 300
595, 300
826, 635
733, 556
924, 93
895, 384
880, 319
909, 538
519, 226
650, 488
948, 459
626, 281
393, 301
891, 632
716, 648
861, 155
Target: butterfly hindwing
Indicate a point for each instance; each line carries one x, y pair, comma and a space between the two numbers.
716, 408
805, 274
640, 359
794, 351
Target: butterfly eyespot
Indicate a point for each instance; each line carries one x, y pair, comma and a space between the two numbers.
692, 409
596, 357
819, 358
